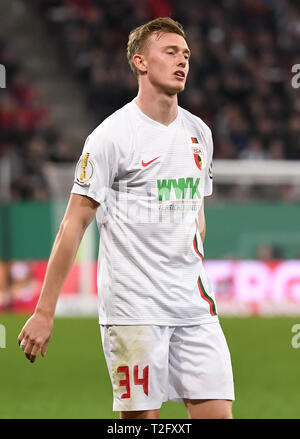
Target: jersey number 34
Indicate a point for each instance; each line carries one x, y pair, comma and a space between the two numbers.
137, 381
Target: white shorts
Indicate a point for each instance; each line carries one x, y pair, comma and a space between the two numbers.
149, 365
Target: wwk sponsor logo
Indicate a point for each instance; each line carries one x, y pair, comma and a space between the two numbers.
181, 188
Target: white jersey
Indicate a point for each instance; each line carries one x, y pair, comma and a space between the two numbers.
150, 180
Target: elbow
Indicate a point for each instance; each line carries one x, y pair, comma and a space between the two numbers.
202, 234
68, 226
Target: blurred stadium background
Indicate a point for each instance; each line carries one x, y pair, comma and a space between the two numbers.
66, 70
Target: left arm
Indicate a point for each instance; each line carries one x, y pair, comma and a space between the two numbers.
201, 222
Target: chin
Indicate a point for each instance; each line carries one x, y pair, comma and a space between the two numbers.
171, 89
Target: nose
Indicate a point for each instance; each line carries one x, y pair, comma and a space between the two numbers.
182, 61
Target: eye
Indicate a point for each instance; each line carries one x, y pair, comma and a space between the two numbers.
170, 52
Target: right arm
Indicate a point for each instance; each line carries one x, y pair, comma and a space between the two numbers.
37, 330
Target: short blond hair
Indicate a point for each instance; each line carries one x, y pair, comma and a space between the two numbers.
139, 35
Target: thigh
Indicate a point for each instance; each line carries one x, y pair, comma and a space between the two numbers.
209, 409
137, 360
200, 364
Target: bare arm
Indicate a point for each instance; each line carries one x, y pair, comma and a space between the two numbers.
201, 222
37, 331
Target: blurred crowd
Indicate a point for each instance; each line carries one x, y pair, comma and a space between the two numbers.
239, 81
28, 136
240, 73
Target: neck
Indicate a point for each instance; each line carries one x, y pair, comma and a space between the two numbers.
160, 107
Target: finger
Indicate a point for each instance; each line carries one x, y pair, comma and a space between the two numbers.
44, 348
20, 337
28, 349
34, 352
23, 343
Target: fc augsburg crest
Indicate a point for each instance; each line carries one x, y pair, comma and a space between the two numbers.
199, 155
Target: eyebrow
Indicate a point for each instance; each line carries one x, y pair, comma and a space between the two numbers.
178, 48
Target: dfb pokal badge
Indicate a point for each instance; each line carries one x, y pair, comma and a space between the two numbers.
84, 170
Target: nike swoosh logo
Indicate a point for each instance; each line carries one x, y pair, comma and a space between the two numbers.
148, 163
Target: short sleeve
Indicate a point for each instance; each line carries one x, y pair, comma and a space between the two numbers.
208, 187
97, 167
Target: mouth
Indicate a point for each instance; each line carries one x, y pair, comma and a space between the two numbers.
180, 75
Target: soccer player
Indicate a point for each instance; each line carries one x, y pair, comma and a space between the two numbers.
144, 172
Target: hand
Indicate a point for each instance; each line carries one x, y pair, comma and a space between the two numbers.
36, 334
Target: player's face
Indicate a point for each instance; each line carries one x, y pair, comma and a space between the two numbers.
167, 60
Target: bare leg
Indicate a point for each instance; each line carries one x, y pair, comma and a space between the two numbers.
142, 414
209, 408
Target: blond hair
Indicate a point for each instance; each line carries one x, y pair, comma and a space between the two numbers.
138, 36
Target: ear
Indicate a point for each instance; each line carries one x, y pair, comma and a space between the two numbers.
140, 63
